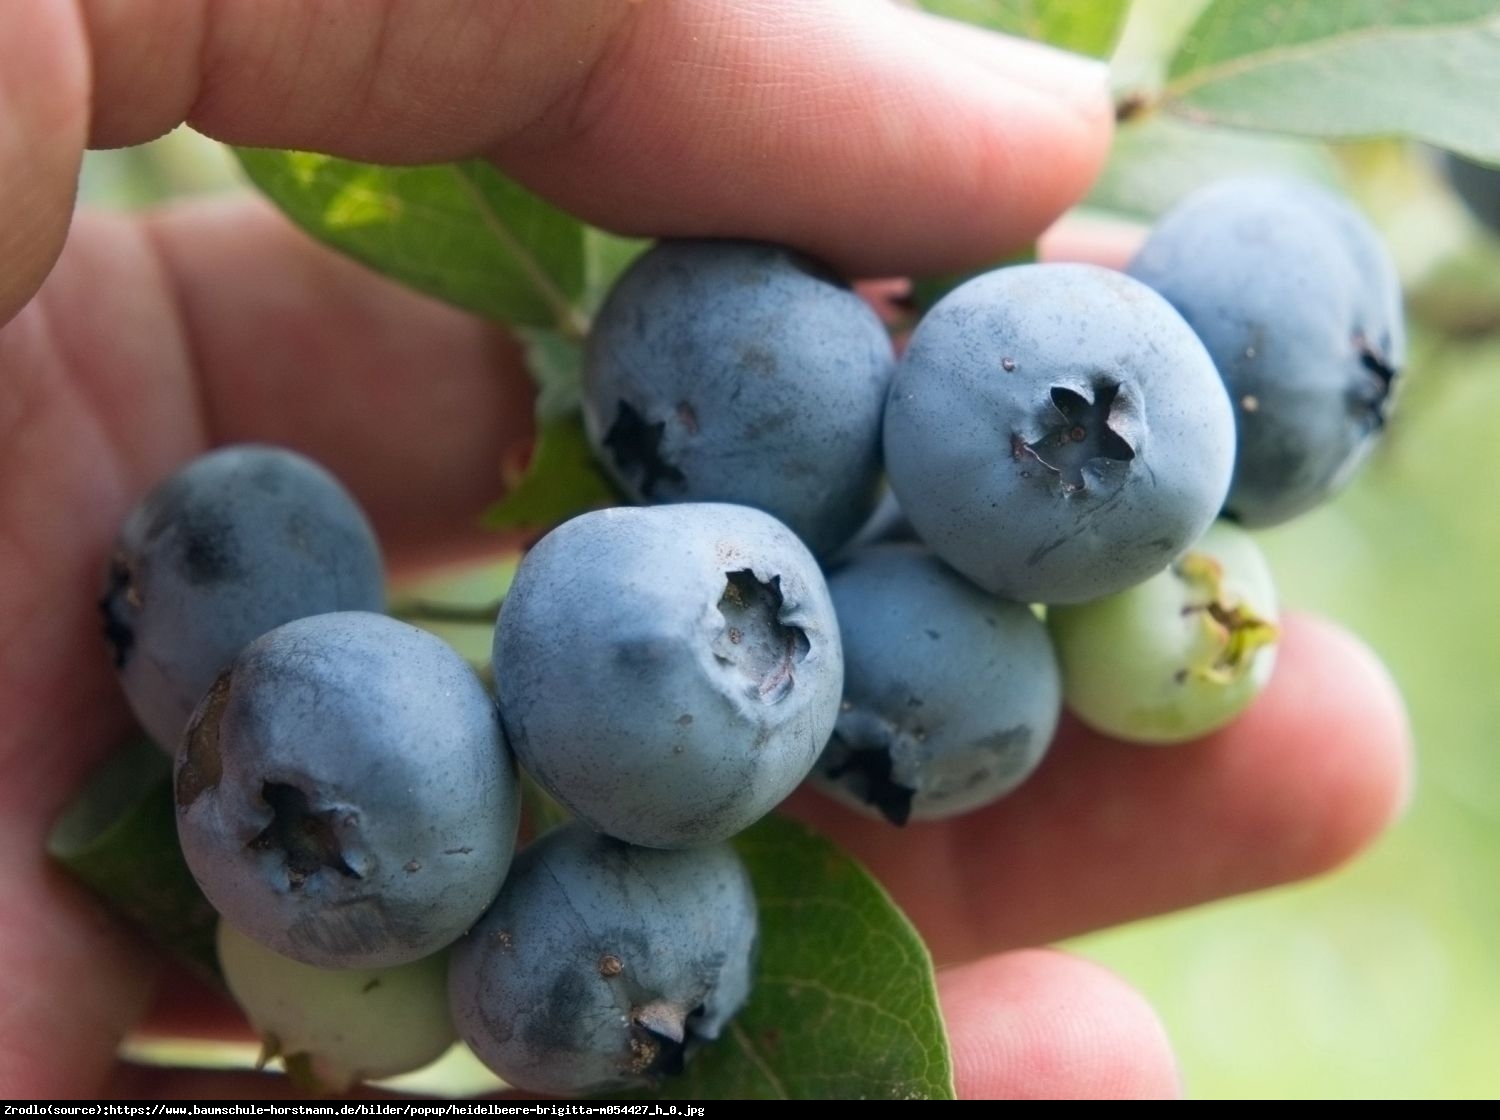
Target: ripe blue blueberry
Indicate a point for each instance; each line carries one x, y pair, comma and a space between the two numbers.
669, 673
344, 793
732, 371
1056, 432
1299, 305
604, 966
235, 543
950, 695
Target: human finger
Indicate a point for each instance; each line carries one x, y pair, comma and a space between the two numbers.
1040, 1025
1105, 832
853, 130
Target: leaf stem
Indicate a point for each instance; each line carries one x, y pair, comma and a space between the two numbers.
419, 611
571, 322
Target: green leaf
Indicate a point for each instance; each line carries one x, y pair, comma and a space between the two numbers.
1086, 26
1152, 31
119, 838
461, 232
605, 256
1158, 160
844, 1005
465, 234
543, 810
1428, 69
560, 480
555, 362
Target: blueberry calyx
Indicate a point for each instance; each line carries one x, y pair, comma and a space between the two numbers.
1230, 633
121, 599
1371, 396
660, 1036
866, 770
1088, 432
754, 639
306, 838
635, 445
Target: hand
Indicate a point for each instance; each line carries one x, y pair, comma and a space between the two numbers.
883, 140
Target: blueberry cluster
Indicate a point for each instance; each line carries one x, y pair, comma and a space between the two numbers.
348, 802
1058, 442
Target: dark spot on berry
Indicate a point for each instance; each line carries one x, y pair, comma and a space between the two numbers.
207, 549
568, 999
202, 766
759, 360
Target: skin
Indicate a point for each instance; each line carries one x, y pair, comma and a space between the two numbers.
879, 139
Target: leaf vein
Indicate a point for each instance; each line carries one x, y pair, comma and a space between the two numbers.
570, 321
1193, 80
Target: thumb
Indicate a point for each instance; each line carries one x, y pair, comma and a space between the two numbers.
879, 137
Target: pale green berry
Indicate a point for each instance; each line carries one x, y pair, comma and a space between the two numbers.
335, 1028
1179, 655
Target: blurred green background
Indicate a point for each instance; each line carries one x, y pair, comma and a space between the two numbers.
1384, 979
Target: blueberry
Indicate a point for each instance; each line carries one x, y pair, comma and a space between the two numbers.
339, 1027
886, 524
1478, 185
235, 543
604, 966
669, 673
1299, 305
950, 695
732, 371
1178, 656
1056, 432
344, 794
